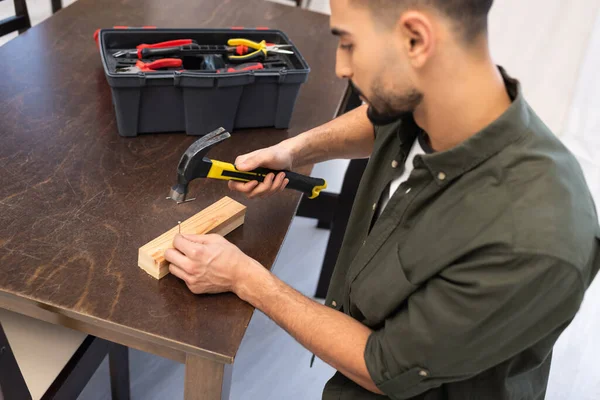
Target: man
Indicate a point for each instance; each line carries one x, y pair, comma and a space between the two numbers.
473, 235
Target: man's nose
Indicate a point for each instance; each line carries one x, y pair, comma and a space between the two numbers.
342, 68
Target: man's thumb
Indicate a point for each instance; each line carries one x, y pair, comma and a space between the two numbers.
245, 163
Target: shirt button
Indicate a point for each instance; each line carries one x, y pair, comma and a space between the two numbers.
334, 303
364, 242
394, 164
442, 176
408, 190
423, 373
374, 206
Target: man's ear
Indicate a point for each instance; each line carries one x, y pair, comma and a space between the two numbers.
417, 33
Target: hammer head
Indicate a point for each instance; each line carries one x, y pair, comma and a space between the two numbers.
193, 163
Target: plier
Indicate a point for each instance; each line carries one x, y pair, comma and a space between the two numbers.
138, 50
262, 49
140, 66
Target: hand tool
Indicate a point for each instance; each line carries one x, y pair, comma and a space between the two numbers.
239, 52
241, 68
194, 164
254, 66
171, 51
262, 49
150, 66
140, 48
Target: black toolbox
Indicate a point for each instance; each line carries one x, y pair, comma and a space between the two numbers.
197, 101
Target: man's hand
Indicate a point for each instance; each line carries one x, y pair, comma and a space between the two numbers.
350, 136
276, 157
208, 263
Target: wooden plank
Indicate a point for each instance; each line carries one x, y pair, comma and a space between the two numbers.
222, 217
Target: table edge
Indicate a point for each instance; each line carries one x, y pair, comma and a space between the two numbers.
107, 330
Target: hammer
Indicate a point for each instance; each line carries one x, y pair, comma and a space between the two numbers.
194, 164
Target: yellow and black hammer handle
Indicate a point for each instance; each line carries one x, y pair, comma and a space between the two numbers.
302, 183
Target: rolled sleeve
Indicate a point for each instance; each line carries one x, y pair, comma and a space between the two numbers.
472, 316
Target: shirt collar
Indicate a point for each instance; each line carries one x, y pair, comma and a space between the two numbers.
448, 165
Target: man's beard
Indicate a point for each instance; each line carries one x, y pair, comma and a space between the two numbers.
384, 110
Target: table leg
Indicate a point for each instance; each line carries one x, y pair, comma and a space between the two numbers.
12, 384
118, 363
206, 379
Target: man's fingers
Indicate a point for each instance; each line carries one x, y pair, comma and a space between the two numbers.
263, 187
192, 249
241, 160
233, 185
285, 183
174, 256
277, 183
272, 184
180, 273
244, 187
249, 161
203, 239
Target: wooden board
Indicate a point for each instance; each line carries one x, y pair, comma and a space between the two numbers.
222, 217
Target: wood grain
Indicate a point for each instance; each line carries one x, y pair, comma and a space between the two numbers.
206, 379
64, 169
221, 218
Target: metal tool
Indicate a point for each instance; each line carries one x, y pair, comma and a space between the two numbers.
253, 66
139, 48
172, 51
239, 50
262, 49
194, 164
181, 202
192, 49
140, 66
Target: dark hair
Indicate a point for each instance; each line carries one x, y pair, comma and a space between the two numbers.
470, 15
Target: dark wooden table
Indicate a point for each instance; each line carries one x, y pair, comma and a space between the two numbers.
77, 200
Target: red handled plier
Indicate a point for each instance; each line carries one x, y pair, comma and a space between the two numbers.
151, 66
138, 50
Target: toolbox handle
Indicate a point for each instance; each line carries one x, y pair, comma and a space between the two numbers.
97, 31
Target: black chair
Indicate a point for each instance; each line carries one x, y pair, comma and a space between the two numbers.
20, 22
332, 210
299, 3
56, 362
56, 5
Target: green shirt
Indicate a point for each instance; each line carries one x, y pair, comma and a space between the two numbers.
476, 265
